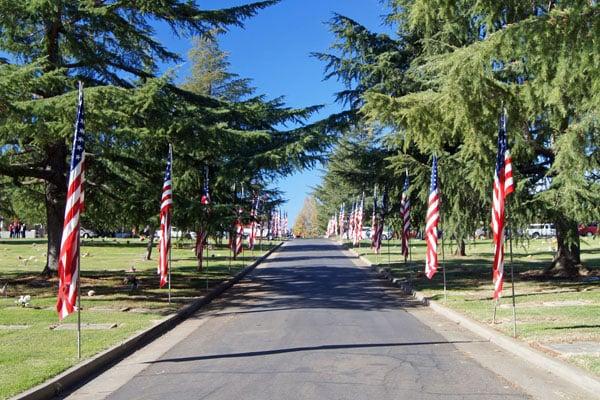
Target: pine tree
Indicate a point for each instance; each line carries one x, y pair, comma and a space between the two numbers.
538, 60
109, 46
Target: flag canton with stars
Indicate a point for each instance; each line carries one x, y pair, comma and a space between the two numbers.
78, 141
502, 145
168, 170
434, 175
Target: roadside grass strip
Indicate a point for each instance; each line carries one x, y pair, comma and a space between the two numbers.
549, 310
32, 350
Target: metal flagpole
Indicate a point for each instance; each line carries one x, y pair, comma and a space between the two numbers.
202, 250
170, 253
512, 279
79, 297
444, 267
443, 235
230, 256
389, 256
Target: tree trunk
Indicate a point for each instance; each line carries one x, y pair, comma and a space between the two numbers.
461, 248
55, 198
150, 245
567, 260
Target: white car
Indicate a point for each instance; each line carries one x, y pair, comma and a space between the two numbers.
177, 233
87, 233
540, 230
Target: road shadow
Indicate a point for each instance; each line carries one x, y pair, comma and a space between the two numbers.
308, 348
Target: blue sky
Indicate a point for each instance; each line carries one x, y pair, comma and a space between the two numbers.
274, 51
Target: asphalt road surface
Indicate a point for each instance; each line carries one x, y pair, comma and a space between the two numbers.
309, 324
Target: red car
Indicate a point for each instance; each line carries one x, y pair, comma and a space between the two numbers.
589, 229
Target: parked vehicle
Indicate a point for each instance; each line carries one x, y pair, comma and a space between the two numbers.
176, 233
87, 233
481, 233
540, 230
588, 230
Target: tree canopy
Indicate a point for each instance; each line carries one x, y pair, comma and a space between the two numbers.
133, 113
465, 63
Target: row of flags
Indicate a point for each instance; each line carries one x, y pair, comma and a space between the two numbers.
503, 186
69, 265
69, 260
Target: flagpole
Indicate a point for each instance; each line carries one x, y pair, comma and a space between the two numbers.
389, 256
443, 235
170, 253
512, 281
79, 296
444, 266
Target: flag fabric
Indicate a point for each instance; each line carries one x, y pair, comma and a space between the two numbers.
166, 206
503, 186
341, 220
253, 223
358, 225
202, 235
433, 217
405, 216
205, 199
237, 235
374, 219
201, 238
68, 261
351, 221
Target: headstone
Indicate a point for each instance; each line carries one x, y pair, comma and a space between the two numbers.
13, 327
73, 327
575, 348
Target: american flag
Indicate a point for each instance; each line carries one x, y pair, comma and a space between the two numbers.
166, 206
238, 235
433, 217
351, 220
253, 223
341, 220
200, 242
358, 221
503, 186
405, 216
205, 199
202, 234
68, 261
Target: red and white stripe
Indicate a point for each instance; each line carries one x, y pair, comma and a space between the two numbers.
503, 186
68, 261
433, 217
166, 206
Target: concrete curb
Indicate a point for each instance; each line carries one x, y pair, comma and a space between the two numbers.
568, 372
84, 370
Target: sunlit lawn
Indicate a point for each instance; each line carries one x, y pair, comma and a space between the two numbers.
547, 310
35, 353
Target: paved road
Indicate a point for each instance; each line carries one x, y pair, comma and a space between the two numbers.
310, 325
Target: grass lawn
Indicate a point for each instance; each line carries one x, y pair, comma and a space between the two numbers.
35, 352
548, 310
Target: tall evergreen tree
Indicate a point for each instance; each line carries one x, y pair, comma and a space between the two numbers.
537, 59
108, 45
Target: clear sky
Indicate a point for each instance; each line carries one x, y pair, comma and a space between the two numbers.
274, 50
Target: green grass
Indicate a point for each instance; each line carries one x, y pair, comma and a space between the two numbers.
32, 355
543, 314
